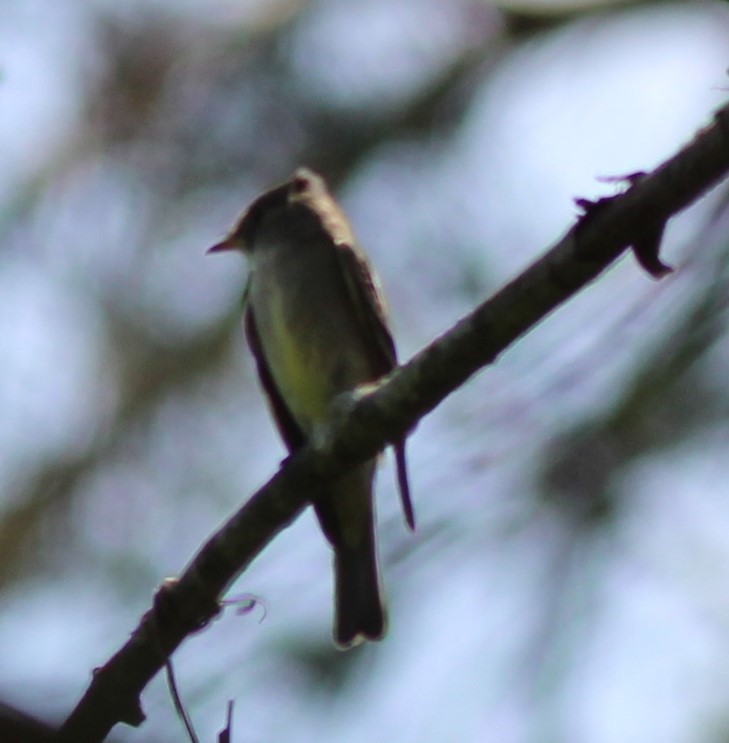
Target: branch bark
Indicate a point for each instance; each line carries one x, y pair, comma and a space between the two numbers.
365, 422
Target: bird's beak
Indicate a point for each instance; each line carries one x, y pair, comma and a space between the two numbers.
229, 243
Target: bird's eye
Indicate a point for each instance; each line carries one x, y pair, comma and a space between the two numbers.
300, 184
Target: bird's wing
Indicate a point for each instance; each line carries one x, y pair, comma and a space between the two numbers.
369, 307
290, 432
403, 484
368, 303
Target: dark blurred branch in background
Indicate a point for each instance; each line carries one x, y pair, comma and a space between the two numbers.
17, 727
51, 487
381, 415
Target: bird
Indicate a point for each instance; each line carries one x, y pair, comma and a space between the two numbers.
316, 323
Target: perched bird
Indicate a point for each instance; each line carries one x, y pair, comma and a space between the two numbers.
316, 323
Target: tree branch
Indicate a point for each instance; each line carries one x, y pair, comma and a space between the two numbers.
365, 422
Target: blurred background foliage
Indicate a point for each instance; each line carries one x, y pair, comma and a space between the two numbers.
568, 578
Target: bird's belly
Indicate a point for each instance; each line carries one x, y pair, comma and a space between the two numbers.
312, 345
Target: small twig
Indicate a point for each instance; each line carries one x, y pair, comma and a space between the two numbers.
226, 735
177, 700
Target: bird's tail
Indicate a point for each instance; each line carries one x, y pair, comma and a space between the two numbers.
346, 514
359, 607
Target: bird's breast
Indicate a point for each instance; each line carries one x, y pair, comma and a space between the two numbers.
308, 330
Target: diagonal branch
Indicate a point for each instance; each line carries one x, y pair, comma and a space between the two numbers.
367, 421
